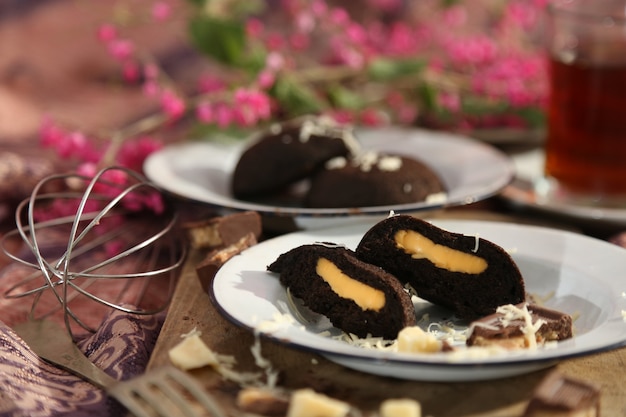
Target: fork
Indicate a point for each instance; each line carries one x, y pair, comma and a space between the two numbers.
165, 391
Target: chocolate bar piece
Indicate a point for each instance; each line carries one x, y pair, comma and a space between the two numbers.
520, 326
263, 401
558, 395
207, 268
224, 230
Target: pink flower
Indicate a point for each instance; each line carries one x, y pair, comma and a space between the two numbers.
151, 88
400, 41
254, 28
274, 61
305, 22
113, 247
205, 113
455, 16
172, 105
110, 183
274, 42
371, 117
87, 169
50, 134
406, 114
471, 51
107, 33
266, 79
344, 53
299, 41
339, 16
520, 14
73, 144
250, 106
342, 116
121, 49
133, 153
449, 101
154, 201
319, 8
356, 33
161, 11
210, 84
130, 71
224, 115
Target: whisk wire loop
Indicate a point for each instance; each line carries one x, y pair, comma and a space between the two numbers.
148, 251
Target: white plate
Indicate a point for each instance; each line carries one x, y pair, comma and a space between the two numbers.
585, 276
530, 189
471, 170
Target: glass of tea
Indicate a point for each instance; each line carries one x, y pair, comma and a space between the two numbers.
586, 140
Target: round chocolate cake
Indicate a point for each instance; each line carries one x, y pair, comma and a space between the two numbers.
287, 153
372, 179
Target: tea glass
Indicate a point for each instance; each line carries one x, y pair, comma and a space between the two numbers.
586, 134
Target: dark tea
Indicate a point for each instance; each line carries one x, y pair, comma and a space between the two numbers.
586, 144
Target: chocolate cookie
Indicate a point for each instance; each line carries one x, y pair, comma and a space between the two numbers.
372, 179
287, 153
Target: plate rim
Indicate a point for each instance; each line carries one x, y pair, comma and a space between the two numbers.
525, 359
153, 172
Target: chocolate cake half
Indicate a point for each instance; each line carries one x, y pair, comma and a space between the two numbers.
467, 274
357, 297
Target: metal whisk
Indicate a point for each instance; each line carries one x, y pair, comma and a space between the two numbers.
107, 248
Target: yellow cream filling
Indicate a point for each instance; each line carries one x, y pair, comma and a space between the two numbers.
363, 295
420, 247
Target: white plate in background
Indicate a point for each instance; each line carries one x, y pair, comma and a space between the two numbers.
471, 170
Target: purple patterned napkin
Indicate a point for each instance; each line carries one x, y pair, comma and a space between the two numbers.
31, 387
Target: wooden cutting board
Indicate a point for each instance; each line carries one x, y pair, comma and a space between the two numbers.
192, 308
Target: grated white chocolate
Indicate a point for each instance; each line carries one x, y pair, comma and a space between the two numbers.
390, 163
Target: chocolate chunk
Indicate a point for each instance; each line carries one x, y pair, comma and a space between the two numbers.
510, 328
214, 260
223, 231
263, 401
560, 395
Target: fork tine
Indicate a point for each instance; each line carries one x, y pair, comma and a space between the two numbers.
197, 391
152, 392
163, 391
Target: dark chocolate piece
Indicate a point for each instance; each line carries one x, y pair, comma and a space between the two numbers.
214, 260
222, 231
507, 329
563, 396
263, 401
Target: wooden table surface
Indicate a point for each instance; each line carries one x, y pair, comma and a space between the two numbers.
192, 308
